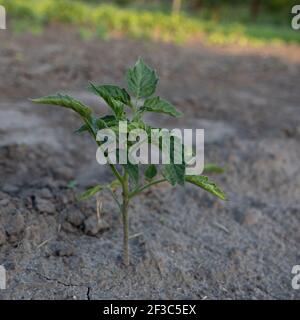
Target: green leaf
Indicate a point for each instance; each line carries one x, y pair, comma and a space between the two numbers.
72, 184
113, 92
82, 129
204, 183
142, 80
114, 185
156, 104
90, 192
212, 168
73, 104
67, 102
174, 173
116, 105
150, 172
133, 171
106, 121
100, 123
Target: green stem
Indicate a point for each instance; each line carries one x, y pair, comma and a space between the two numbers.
113, 168
133, 107
116, 199
125, 218
116, 173
139, 190
124, 209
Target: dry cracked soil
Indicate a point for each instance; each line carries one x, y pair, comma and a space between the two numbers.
185, 244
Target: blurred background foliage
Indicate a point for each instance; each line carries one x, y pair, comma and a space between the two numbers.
214, 21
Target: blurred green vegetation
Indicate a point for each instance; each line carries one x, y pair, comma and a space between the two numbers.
216, 21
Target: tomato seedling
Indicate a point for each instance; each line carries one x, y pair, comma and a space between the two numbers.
142, 82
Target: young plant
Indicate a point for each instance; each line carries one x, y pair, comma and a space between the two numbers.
142, 82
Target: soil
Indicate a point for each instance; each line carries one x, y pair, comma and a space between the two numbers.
184, 243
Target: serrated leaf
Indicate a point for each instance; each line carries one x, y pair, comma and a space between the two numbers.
150, 172
109, 120
100, 123
111, 91
90, 192
212, 168
156, 104
86, 126
133, 171
73, 104
204, 183
116, 105
142, 80
131, 126
67, 102
174, 173
106, 122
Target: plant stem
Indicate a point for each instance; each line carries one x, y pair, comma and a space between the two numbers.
137, 191
125, 217
116, 173
116, 199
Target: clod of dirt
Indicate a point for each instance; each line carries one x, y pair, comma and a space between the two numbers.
64, 173
252, 216
75, 217
2, 236
92, 226
44, 193
10, 188
4, 202
15, 226
247, 217
68, 227
62, 249
44, 206
3, 195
